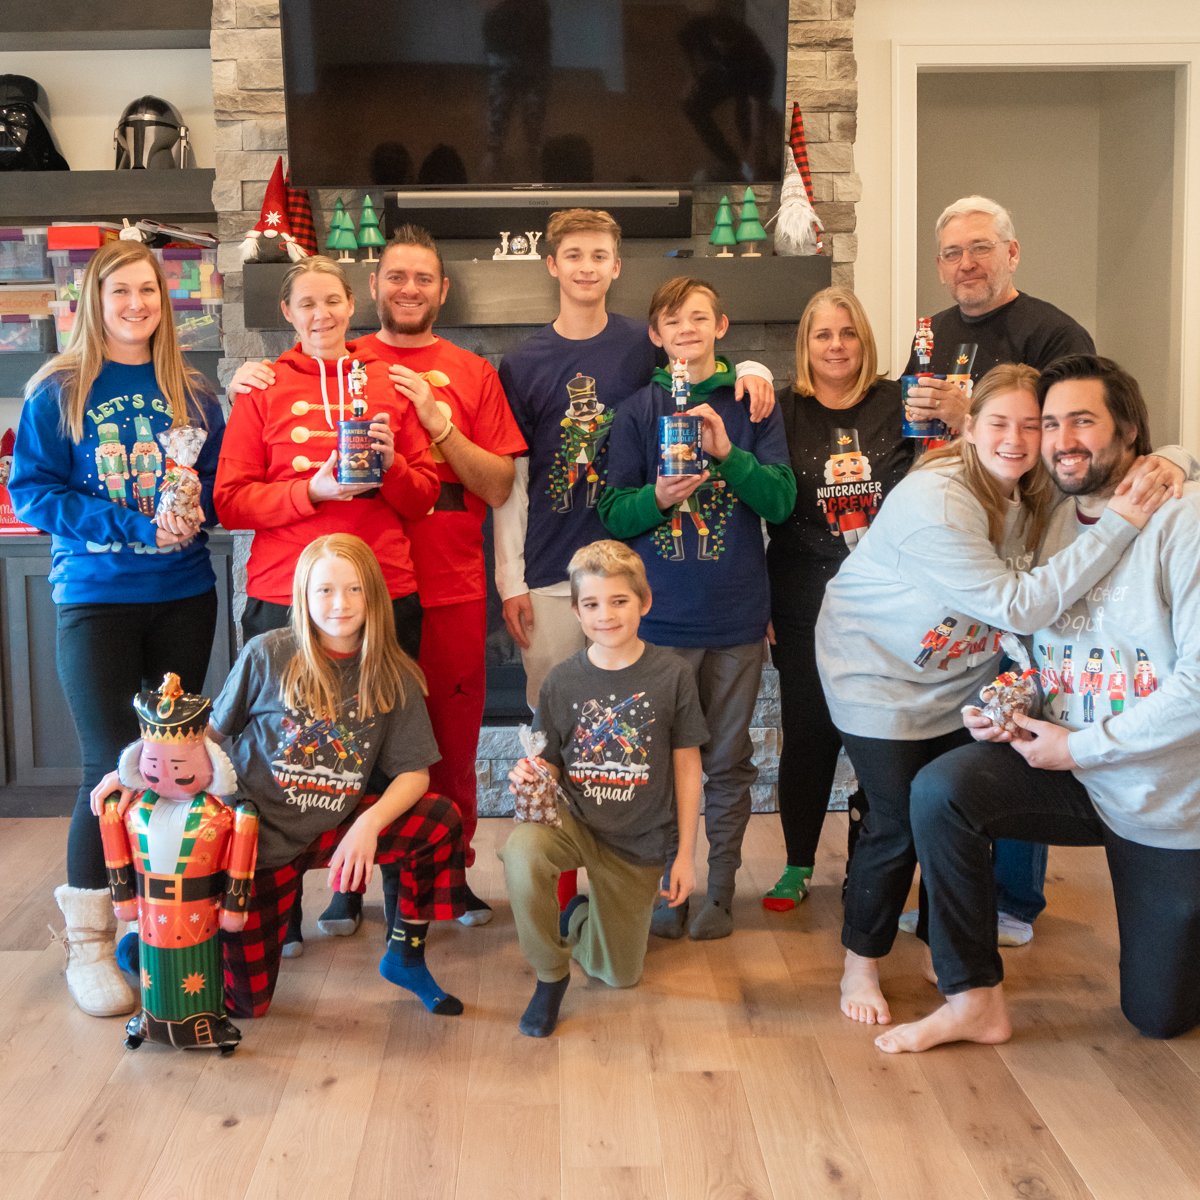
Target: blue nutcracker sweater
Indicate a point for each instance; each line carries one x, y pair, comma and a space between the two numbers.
95, 499
705, 558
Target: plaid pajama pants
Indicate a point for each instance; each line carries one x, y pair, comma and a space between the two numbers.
426, 843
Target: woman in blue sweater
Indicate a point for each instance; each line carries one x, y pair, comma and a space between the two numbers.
135, 594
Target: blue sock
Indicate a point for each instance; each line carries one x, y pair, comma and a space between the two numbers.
128, 953
564, 917
404, 965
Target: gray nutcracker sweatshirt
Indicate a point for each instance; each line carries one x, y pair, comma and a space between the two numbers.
910, 627
1121, 667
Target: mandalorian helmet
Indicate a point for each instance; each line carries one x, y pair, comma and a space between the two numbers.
151, 135
26, 140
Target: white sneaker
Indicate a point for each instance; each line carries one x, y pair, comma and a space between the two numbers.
1012, 931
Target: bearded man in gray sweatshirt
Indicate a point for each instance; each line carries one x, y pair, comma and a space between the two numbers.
1114, 759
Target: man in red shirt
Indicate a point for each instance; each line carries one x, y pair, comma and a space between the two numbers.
460, 403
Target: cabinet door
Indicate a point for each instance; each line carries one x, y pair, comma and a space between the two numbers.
41, 749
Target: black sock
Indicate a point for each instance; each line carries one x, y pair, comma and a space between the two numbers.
541, 1015
390, 878
408, 942
295, 917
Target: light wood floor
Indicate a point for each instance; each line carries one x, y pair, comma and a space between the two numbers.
727, 1073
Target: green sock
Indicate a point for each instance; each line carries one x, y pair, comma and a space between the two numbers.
793, 883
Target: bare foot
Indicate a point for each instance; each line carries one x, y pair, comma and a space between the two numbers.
862, 999
979, 1015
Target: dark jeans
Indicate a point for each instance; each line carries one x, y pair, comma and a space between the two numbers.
261, 616
106, 654
885, 859
981, 792
808, 760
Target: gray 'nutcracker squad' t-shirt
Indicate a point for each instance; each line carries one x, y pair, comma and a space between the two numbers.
612, 734
306, 774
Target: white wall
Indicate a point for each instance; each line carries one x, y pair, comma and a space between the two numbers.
88, 93
988, 132
1022, 24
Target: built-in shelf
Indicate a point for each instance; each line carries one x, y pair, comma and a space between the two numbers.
15, 369
106, 24
37, 197
484, 292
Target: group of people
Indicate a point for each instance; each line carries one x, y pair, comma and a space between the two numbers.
641, 602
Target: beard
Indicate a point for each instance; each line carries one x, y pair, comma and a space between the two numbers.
413, 325
1101, 477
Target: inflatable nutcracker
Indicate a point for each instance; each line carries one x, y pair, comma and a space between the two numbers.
180, 862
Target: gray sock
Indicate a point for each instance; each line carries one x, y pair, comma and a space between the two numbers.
667, 922
714, 920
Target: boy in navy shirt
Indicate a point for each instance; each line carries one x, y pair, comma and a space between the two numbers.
701, 539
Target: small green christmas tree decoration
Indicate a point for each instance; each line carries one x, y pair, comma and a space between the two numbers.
368, 230
341, 233
750, 228
722, 234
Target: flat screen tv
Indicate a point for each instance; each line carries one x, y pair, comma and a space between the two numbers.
499, 93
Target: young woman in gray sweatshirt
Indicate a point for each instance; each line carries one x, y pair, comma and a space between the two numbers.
910, 631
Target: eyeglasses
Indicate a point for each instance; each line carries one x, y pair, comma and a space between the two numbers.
977, 250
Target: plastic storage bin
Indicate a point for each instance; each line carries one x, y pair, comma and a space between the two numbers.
23, 255
69, 266
24, 333
191, 273
63, 312
198, 324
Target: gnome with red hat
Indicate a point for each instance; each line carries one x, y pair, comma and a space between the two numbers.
272, 239
798, 228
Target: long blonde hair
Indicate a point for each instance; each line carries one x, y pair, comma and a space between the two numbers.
845, 299
1035, 487
310, 680
84, 358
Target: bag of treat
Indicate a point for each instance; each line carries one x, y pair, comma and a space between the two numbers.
538, 801
180, 491
1013, 691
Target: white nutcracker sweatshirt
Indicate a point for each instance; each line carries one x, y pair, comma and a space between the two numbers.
910, 627
1121, 667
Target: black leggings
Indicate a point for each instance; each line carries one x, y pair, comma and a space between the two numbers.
885, 859
965, 799
106, 654
808, 759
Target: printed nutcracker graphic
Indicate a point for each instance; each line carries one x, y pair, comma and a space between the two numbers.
112, 465
708, 508
1091, 680
319, 760
146, 465
585, 429
608, 753
181, 863
938, 638
1057, 682
1145, 680
849, 499
1116, 684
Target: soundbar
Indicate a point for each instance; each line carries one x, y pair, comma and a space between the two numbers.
466, 213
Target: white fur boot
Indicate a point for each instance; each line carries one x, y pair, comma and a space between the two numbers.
93, 977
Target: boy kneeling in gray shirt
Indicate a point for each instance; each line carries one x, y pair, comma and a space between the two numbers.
623, 730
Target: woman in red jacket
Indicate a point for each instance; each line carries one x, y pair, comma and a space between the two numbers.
277, 475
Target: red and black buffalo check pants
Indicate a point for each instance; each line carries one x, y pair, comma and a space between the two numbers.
427, 844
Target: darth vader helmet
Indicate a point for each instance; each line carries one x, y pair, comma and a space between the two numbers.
26, 140
151, 135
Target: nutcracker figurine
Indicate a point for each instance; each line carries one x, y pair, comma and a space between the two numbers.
180, 862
